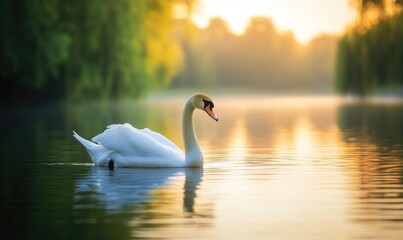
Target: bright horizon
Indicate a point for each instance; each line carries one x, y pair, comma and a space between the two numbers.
306, 19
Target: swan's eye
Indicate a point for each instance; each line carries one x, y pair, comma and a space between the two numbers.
208, 103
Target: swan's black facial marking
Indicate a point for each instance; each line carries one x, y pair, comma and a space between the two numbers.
208, 103
208, 108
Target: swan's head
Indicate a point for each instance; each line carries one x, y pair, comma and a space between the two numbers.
203, 102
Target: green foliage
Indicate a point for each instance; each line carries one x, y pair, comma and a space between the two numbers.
33, 46
86, 49
370, 58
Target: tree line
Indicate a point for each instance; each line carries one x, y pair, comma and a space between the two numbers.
370, 54
261, 58
71, 49
86, 49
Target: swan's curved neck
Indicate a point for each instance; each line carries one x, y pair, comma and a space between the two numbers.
194, 157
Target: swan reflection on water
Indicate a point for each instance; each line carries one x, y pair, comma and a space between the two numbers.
126, 187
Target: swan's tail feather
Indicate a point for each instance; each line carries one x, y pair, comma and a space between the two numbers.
87, 144
97, 152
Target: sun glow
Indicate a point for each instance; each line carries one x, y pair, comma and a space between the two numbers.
306, 19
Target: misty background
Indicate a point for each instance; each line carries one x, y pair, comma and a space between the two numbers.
262, 58
80, 50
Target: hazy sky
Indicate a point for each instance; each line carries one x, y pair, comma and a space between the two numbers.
306, 18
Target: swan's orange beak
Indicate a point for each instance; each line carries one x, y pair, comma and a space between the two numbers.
210, 112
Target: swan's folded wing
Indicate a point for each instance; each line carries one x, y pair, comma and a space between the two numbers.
161, 139
129, 141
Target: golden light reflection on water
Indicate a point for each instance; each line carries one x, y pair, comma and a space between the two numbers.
284, 154
303, 142
281, 167
237, 148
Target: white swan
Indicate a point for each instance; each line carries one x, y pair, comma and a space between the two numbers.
125, 146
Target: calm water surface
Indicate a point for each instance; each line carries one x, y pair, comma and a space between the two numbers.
275, 168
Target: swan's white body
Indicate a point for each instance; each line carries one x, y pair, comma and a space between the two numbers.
127, 146
131, 147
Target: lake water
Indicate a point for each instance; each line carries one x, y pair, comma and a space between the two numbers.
275, 168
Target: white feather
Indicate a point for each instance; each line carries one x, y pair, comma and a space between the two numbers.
131, 147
